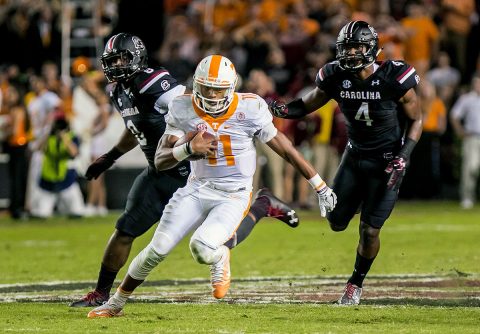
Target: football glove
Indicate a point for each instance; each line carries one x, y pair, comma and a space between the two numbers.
278, 109
103, 163
396, 168
327, 200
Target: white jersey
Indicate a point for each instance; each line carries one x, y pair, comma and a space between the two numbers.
246, 118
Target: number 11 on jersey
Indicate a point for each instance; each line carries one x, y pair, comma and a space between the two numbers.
227, 151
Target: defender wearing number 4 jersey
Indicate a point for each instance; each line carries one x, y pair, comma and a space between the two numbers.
141, 95
218, 192
383, 122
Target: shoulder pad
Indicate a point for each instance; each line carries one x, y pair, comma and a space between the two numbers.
403, 74
148, 77
327, 70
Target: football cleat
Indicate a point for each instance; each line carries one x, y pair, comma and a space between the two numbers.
220, 275
93, 298
351, 295
106, 310
278, 209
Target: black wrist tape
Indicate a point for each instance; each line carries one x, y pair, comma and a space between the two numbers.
296, 109
407, 148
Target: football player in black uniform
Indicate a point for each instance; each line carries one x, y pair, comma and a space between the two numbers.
384, 123
141, 95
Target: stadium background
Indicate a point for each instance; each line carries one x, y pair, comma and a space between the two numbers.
287, 40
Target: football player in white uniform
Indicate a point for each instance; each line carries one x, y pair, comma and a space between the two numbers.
219, 189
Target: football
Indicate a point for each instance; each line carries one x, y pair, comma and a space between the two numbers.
189, 136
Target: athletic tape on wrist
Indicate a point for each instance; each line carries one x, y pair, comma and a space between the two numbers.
180, 153
317, 182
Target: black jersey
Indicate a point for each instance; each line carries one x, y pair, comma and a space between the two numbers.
375, 121
142, 103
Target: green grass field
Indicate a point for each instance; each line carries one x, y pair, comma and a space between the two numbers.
426, 278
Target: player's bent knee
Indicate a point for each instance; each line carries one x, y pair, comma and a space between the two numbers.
337, 228
368, 233
337, 222
162, 243
144, 263
337, 225
202, 253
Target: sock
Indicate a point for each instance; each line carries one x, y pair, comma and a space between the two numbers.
362, 266
247, 225
105, 281
259, 208
119, 298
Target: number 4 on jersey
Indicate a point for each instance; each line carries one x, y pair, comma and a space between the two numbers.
362, 114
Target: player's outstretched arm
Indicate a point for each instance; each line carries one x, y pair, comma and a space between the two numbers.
298, 108
126, 142
284, 148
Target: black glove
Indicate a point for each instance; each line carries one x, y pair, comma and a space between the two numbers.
396, 168
277, 109
102, 164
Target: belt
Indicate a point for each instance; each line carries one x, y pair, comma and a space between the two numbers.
227, 190
215, 186
221, 188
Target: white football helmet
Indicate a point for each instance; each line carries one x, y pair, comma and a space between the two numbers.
215, 73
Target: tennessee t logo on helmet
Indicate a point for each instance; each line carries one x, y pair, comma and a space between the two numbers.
217, 73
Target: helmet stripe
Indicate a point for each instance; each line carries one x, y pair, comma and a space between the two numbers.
350, 27
214, 66
110, 42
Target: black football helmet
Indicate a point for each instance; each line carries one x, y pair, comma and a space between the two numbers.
124, 56
353, 35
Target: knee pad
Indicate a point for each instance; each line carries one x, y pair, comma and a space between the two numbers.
202, 253
144, 263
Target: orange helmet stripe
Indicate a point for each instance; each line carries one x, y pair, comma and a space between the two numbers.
214, 66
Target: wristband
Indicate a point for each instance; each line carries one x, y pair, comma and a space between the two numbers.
180, 152
189, 149
296, 109
317, 183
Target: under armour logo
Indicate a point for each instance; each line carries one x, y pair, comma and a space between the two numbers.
291, 214
375, 82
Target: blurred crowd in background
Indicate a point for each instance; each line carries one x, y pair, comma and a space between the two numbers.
277, 47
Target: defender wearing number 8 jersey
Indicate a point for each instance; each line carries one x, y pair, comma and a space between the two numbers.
384, 122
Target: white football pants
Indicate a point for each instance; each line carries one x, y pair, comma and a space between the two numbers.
215, 214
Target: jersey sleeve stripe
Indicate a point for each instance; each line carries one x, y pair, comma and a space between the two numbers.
405, 75
151, 80
320, 74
